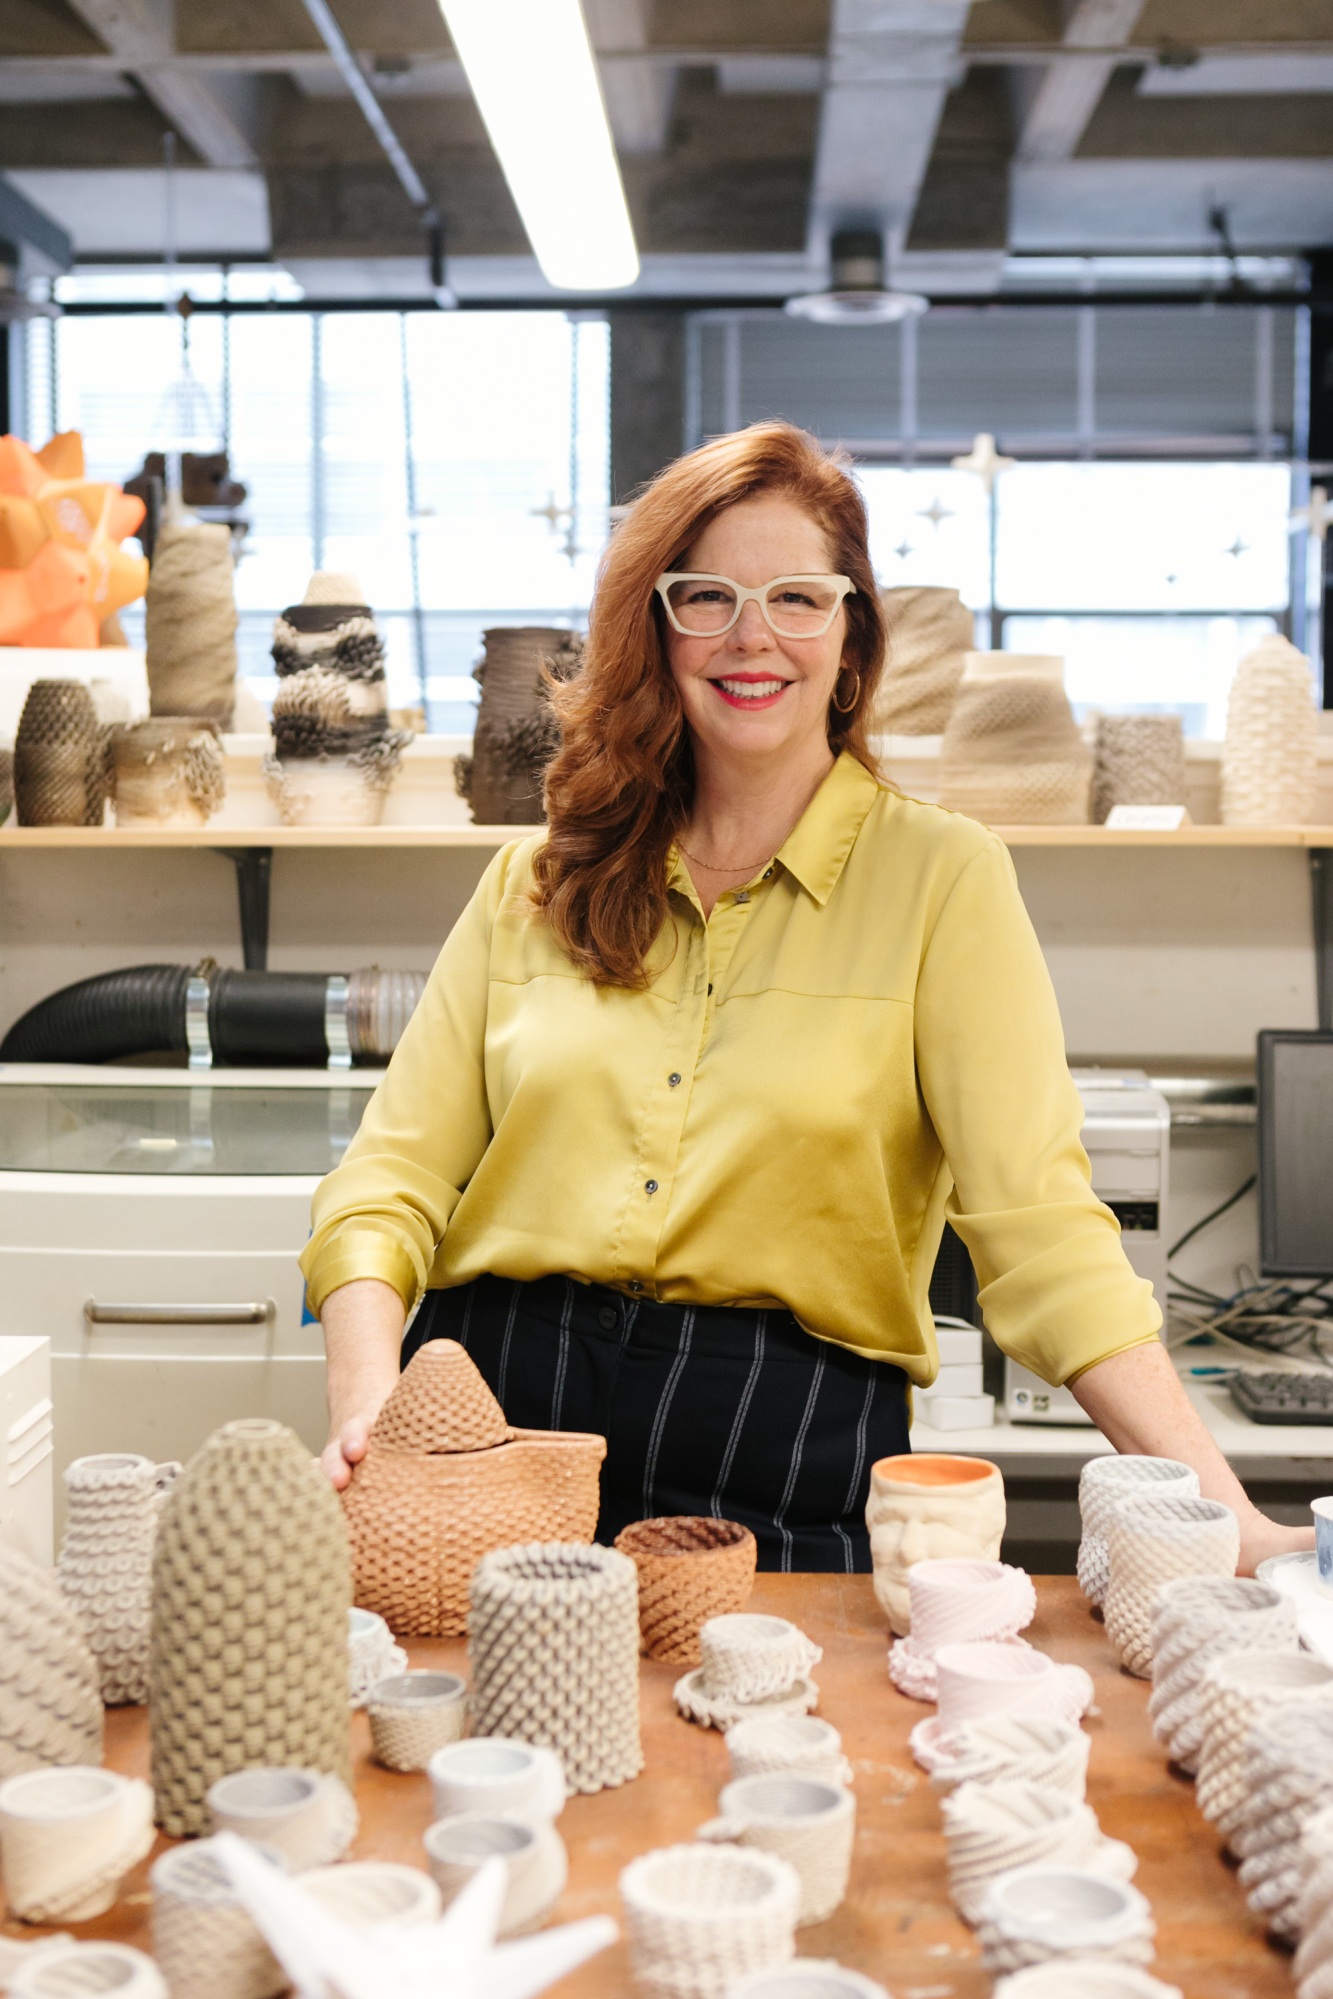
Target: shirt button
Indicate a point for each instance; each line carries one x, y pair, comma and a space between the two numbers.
768, 874
674, 1078
635, 1285
606, 1317
744, 896
650, 1186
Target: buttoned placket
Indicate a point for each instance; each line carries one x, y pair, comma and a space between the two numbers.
709, 949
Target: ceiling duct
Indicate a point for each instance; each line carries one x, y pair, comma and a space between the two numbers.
858, 293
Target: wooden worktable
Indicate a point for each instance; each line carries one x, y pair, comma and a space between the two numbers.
897, 1923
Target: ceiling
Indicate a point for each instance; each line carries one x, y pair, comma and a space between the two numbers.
748, 130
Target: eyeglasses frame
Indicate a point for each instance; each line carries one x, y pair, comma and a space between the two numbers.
743, 597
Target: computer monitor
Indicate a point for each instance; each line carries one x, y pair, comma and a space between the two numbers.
1295, 1103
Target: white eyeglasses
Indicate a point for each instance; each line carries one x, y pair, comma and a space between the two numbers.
793, 607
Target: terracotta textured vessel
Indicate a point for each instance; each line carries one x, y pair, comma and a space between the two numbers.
444, 1481
929, 1506
690, 1568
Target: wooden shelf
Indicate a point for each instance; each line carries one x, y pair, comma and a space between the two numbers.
113, 838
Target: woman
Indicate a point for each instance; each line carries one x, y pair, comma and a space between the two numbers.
670, 1141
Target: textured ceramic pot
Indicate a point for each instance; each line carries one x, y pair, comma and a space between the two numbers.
808, 1978
68, 1837
929, 1506
747, 1657
1237, 1691
105, 1568
978, 1681
535, 1863
1022, 1748
992, 1828
700, 1918
62, 1969
795, 1742
690, 1568
553, 1641
1152, 1539
414, 1714
251, 1589
1033, 1914
497, 1777
205, 1944
307, 1816
1084, 1978
445, 1481
1194, 1621
372, 1654
1288, 1757
1313, 1965
375, 1894
805, 1820
957, 1602
50, 1706
1102, 1484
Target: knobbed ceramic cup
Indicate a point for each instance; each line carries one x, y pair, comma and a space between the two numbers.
493, 1776
305, 1815
375, 1894
535, 1863
414, 1714
928, 1506
805, 1820
1102, 1484
204, 1940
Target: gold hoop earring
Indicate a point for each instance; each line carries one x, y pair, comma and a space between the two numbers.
847, 709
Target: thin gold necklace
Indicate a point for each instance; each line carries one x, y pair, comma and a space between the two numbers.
721, 867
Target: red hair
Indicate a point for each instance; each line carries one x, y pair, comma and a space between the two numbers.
620, 787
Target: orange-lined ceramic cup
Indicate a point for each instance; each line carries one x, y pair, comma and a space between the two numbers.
930, 1506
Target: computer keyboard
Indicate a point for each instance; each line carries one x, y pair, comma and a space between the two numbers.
1284, 1398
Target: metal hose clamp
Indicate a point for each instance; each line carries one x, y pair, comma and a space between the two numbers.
336, 1038
196, 1023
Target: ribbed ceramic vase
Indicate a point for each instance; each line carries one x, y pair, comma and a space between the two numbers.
251, 1589
1027, 1748
1288, 1760
50, 1705
992, 1828
1313, 1963
957, 1602
1237, 1692
1152, 1539
1102, 1484
106, 1563
1194, 1621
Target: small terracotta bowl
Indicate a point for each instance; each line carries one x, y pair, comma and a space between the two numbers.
690, 1568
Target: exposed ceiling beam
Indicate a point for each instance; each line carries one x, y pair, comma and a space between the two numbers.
891, 63
638, 90
1071, 90
216, 119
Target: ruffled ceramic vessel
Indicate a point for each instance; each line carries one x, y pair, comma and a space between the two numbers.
68, 1837
957, 1602
50, 1703
993, 1828
1237, 1692
106, 1563
690, 1568
444, 1481
1313, 1964
752, 1665
1288, 1757
979, 1681
1022, 1748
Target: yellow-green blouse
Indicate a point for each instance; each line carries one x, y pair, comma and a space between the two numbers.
860, 1042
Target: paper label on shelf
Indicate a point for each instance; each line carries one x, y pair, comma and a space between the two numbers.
1147, 818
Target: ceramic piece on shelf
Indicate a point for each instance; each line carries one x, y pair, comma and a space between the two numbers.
169, 771
50, 1706
1313, 1964
690, 1569
1288, 1758
376, 1895
1195, 1620
1084, 1978
59, 757
553, 1640
722, 1711
1297, 1577
205, 1944
1033, 1914
105, 1569
1012, 753
64, 1969
929, 1506
1153, 1538
808, 1978
517, 731
413, 1714
976, 1681
1137, 760
68, 1837
372, 1654
1025, 1748
956, 1602
1237, 1690
1102, 1484
931, 631
444, 1481
535, 1863
190, 621
748, 1657
808, 1821
63, 572
308, 1816
992, 1828
320, 1937
787, 1742
250, 1602
700, 1918
497, 1777
1268, 755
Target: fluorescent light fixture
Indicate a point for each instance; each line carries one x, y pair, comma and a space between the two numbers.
532, 73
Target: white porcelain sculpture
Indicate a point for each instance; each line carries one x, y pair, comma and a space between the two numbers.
1023, 1748
787, 1742
494, 1776
372, 1654
808, 1821
1313, 1963
1268, 757
977, 1681
752, 1664
322, 1951
1102, 1484
1288, 1763
1237, 1690
1154, 1537
700, 1918
1033, 1914
307, 1816
68, 1837
993, 1828
1084, 1978
106, 1563
929, 1506
414, 1714
957, 1602
532, 1853
1195, 1620
63, 1968
205, 1944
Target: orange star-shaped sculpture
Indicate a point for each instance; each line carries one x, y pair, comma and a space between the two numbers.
62, 569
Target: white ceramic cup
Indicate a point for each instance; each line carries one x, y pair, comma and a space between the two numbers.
806, 1821
535, 1862
63, 1969
414, 1714
496, 1776
746, 1656
375, 1894
787, 1742
308, 1816
808, 1978
981, 1679
68, 1834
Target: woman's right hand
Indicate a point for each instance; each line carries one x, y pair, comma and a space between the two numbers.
345, 1449
363, 1332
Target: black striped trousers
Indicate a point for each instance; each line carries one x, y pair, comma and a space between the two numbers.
716, 1410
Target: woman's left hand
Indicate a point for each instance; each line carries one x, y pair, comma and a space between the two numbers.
1261, 1537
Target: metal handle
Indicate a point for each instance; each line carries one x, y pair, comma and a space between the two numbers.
260, 1313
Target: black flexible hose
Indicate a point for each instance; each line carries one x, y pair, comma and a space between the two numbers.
139, 1011
260, 1017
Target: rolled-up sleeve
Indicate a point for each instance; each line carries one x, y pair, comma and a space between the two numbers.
384, 1210
1055, 1287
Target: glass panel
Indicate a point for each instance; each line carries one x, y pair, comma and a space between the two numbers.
1183, 666
928, 527
78, 1128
